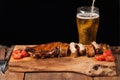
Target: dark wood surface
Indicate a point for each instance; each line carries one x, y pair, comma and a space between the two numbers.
61, 75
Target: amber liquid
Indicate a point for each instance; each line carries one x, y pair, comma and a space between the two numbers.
87, 27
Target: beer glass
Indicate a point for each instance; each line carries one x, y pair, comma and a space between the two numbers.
87, 19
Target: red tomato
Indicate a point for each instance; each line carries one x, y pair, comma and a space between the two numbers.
110, 58
16, 51
16, 54
24, 53
107, 53
107, 56
100, 57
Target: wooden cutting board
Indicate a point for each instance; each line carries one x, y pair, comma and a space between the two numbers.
83, 64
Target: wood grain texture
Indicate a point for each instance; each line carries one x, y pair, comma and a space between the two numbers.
56, 76
118, 64
106, 78
116, 53
82, 64
11, 76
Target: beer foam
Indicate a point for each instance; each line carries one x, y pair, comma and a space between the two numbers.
87, 15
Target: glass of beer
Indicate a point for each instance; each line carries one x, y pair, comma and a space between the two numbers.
87, 24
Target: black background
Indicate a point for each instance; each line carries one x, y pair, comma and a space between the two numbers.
36, 22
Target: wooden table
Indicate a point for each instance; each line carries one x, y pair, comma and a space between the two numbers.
61, 75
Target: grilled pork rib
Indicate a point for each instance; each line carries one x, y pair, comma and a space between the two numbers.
53, 49
59, 49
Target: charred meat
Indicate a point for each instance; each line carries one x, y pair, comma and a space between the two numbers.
53, 49
60, 49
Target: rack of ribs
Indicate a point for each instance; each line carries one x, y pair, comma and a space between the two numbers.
60, 49
53, 49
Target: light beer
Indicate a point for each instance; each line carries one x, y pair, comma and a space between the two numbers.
87, 25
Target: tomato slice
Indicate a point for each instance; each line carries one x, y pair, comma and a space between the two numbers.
16, 54
99, 57
24, 53
19, 53
107, 53
106, 56
110, 58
